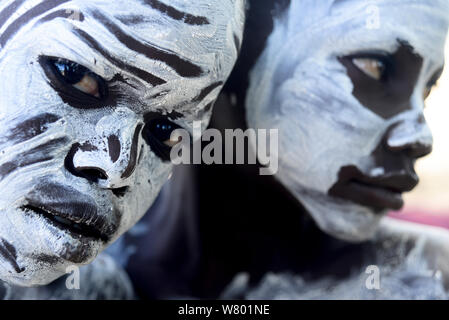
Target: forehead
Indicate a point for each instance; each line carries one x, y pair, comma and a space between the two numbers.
422, 23
357, 25
188, 26
193, 28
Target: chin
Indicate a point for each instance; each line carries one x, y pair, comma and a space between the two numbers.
37, 274
42, 252
341, 219
53, 224
36, 251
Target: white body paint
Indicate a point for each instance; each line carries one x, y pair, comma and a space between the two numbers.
25, 93
299, 87
412, 261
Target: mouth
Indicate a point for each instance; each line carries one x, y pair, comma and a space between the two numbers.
76, 229
70, 211
375, 196
379, 193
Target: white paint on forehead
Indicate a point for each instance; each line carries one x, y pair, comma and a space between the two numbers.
201, 44
344, 25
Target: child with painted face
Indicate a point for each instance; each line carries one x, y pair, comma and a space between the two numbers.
344, 82
347, 94
91, 92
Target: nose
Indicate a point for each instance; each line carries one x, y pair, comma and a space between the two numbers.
411, 137
107, 161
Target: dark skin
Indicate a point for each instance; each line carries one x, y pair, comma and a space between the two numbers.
251, 223
387, 96
390, 95
264, 228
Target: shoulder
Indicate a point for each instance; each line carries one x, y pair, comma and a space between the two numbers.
396, 230
429, 242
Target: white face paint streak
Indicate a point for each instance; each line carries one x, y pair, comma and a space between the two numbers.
42, 250
299, 87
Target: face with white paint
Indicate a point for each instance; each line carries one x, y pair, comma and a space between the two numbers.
91, 91
345, 84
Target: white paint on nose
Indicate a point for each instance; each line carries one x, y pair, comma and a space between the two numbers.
114, 150
412, 127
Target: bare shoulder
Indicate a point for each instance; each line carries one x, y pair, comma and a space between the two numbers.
435, 237
431, 242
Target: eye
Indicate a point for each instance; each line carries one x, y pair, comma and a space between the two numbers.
372, 67
162, 130
157, 133
427, 91
432, 83
78, 77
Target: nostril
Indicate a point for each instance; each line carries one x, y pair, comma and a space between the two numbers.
120, 192
92, 173
413, 150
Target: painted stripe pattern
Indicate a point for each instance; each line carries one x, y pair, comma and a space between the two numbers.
13, 18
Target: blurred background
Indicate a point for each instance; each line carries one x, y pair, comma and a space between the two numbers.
429, 202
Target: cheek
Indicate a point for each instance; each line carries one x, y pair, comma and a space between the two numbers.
29, 109
150, 175
23, 85
323, 128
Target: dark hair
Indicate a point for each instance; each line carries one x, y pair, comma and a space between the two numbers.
258, 27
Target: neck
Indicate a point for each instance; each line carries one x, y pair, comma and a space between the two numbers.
250, 223
161, 252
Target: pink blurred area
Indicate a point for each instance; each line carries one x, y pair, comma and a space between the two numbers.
436, 219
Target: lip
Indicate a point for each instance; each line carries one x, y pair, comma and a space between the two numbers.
380, 192
70, 211
57, 219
